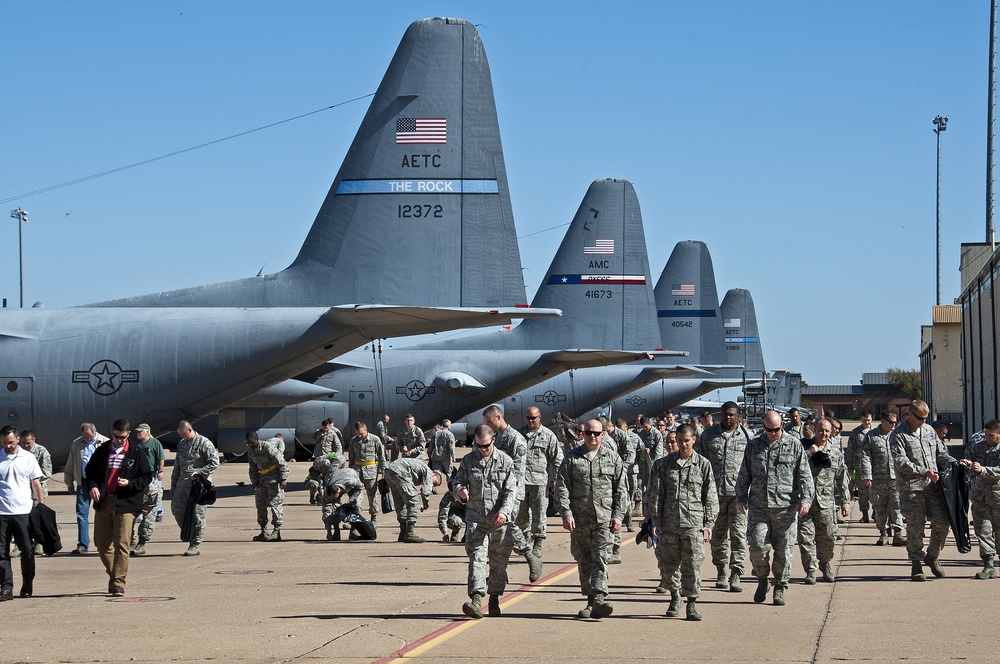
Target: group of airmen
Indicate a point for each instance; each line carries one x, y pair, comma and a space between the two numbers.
693, 483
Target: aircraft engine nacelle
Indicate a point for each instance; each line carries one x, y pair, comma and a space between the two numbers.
458, 382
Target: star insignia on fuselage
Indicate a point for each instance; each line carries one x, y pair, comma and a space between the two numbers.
415, 390
635, 401
106, 377
550, 398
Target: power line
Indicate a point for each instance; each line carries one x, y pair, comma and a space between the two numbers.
177, 152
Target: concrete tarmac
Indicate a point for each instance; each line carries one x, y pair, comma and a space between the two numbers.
306, 599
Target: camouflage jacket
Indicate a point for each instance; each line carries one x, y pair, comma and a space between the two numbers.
367, 456
512, 443
347, 479
544, 454
914, 452
876, 460
725, 453
592, 488
197, 457
492, 485
775, 475
985, 485
266, 457
414, 471
412, 439
831, 483
682, 493
854, 453
653, 440
442, 446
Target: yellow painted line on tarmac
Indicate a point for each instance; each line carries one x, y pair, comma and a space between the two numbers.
439, 636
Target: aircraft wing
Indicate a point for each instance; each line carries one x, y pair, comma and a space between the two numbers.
649, 374
286, 393
376, 321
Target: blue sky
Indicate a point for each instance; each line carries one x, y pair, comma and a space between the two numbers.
794, 138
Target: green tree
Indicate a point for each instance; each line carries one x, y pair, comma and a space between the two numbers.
907, 380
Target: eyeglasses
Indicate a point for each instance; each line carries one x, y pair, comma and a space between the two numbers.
486, 446
592, 433
531, 419
775, 430
922, 419
117, 437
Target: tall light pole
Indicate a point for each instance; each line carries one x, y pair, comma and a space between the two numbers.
22, 218
940, 124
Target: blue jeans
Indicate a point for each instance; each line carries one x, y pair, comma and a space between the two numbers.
83, 518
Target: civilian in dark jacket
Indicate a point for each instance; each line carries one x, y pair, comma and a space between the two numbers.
117, 476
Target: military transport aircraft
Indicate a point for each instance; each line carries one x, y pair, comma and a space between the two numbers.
426, 162
452, 378
691, 318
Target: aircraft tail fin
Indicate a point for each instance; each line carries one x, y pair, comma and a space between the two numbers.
419, 213
687, 305
742, 338
599, 278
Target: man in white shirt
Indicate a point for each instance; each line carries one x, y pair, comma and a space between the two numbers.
20, 477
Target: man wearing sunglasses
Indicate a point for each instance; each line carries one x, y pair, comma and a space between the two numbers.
919, 455
117, 476
592, 497
487, 482
773, 489
541, 464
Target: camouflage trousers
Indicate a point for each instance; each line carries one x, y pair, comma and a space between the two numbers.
405, 498
315, 489
986, 521
919, 507
589, 544
493, 546
681, 550
146, 521
729, 536
767, 529
531, 514
371, 490
270, 495
856, 486
515, 533
178, 504
885, 506
817, 533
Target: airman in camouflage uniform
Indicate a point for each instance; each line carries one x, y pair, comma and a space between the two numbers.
487, 482
509, 441
795, 426
918, 455
269, 477
410, 441
338, 484
196, 455
451, 514
619, 441
853, 456
650, 451
631, 461
367, 457
544, 454
983, 463
404, 476
441, 450
878, 474
683, 505
773, 488
818, 528
723, 444
592, 500
330, 442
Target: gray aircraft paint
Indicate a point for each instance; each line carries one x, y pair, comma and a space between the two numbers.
604, 252
62, 367
422, 189
421, 196
609, 212
687, 304
742, 336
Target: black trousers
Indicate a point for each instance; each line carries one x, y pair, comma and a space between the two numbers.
15, 527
